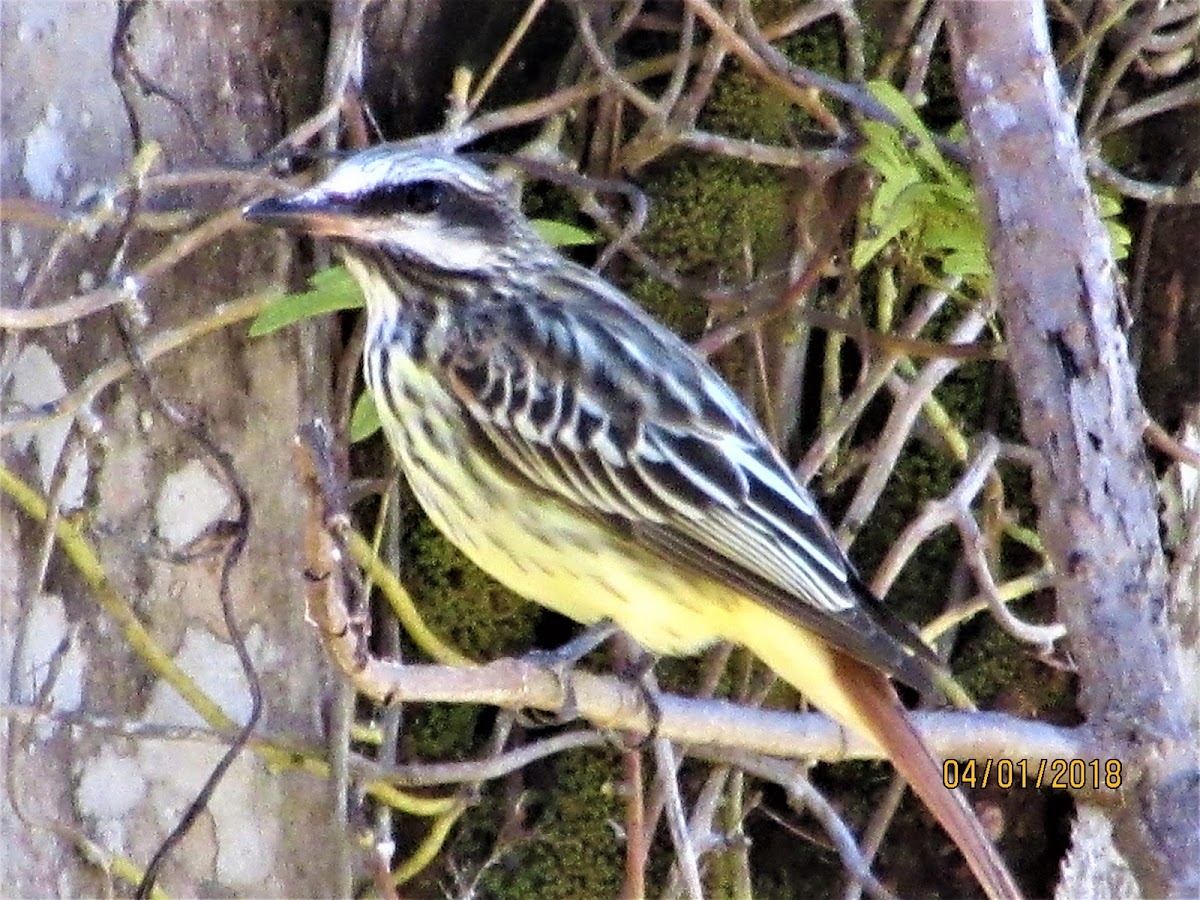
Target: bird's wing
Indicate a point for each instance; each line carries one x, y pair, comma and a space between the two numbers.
603, 408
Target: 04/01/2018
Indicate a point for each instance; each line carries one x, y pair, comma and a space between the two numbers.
1061, 774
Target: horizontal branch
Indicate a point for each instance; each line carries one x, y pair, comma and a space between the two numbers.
610, 703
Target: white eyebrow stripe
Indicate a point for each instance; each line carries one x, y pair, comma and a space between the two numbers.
361, 173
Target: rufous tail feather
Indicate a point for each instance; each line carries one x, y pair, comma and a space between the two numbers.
892, 729
863, 700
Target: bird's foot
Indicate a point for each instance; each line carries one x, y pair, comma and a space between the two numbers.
641, 672
561, 662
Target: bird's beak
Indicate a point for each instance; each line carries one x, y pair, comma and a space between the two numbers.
280, 212
308, 212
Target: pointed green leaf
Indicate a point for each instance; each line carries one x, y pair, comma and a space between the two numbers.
364, 421
562, 234
898, 105
329, 290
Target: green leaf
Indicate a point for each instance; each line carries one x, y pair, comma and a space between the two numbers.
902, 215
329, 290
969, 262
364, 421
1120, 237
898, 105
883, 149
563, 234
922, 202
1109, 206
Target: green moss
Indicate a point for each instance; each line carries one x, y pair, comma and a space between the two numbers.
574, 852
741, 107
437, 731
472, 612
992, 662
706, 208
818, 48
460, 602
920, 592
705, 212
988, 662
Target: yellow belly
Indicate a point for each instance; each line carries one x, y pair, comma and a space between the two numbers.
547, 552
553, 556
539, 547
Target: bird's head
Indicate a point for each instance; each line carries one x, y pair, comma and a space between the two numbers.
424, 208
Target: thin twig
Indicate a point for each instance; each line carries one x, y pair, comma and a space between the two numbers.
1158, 437
803, 795
685, 850
901, 421
504, 54
164, 342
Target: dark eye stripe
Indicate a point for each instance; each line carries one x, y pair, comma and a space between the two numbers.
448, 203
388, 199
423, 197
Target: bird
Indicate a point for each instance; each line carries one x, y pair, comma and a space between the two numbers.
586, 457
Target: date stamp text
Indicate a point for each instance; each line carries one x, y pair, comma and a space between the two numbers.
1062, 774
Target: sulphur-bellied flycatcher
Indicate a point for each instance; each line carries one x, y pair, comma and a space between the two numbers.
587, 458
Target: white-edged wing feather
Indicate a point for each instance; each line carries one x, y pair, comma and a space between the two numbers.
590, 400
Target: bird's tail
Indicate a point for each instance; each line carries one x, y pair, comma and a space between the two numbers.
863, 700
890, 727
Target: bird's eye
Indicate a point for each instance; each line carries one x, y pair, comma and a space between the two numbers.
422, 197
